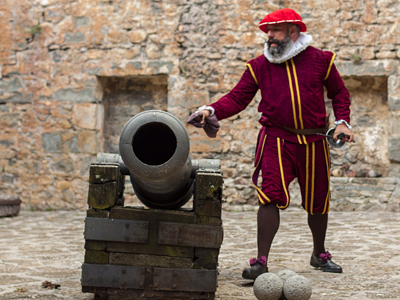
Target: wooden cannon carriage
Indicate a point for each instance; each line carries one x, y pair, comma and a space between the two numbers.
161, 251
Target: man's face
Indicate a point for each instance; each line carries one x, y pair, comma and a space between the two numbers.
279, 39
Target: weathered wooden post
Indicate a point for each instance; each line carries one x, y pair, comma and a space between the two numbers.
161, 251
9, 205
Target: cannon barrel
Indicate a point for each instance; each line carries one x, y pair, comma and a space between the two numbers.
154, 150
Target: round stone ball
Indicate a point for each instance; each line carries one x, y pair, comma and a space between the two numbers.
297, 288
285, 274
268, 286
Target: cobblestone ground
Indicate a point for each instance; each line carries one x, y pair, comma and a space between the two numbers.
40, 246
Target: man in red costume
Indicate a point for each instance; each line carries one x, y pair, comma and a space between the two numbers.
291, 76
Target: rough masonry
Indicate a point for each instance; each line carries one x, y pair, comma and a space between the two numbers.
73, 72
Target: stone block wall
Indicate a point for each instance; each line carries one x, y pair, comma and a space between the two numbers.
59, 58
357, 194
347, 194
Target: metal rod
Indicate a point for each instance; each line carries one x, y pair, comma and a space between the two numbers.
323, 134
340, 136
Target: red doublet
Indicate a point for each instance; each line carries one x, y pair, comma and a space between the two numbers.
292, 95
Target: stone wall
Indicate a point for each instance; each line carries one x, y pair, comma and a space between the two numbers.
59, 59
348, 194
369, 120
356, 194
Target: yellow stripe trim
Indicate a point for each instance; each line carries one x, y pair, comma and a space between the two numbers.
292, 95
307, 162
330, 66
252, 72
299, 139
282, 175
304, 138
298, 93
312, 179
259, 191
328, 195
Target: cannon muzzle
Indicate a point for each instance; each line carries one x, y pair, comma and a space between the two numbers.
154, 150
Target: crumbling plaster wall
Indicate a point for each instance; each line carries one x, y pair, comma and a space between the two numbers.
52, 53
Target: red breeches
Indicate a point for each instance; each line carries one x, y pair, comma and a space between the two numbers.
282, 161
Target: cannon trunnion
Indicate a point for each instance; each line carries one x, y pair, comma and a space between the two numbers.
160, 251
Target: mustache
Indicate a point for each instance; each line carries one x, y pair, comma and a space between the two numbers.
275, 41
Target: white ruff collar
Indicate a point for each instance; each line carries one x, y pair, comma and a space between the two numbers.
301, 44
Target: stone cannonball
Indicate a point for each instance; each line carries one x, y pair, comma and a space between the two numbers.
285, 274
268, 286
297, 288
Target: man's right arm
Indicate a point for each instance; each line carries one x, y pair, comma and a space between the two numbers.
237, 99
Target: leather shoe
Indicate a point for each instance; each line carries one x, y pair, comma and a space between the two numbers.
324, 262
255, 270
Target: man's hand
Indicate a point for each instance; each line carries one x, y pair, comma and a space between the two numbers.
206, 113
198, 119
343, 128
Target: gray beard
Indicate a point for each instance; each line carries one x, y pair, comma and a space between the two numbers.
282, 47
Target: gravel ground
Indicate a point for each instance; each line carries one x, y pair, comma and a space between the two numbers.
49, 246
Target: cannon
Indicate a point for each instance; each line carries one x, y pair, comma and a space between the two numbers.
161, 251
154, 151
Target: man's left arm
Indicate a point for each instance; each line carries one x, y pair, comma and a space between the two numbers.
340, 101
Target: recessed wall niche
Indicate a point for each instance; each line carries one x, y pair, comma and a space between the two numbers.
124, 97
369, 119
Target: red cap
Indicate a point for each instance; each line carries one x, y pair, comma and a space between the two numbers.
284, 15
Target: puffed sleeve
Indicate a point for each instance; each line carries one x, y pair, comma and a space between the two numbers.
239, 97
